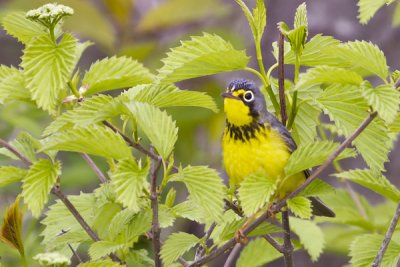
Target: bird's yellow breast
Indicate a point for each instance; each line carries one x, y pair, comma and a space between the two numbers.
263, 152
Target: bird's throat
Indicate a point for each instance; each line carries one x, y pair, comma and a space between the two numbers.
237, 113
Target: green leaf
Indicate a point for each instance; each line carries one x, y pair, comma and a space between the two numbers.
91, 111
313, 154
206, 189
103, 248
328, 75
201, 56
94, 139
130, 182
157, 125
317, 188
394, 127
166, 216
10, 175
396, 16
300, 18
257, 252
385, 99
25, 144
14, 87
348, 110
255, 191
250, 18
374, 181
25, 30
365, 247
260, 19
311, 236
368, 8
119, 223
104, 216
176, 245
101, 263
164, 95
304, 126
362, 57
170, 198
47, 67
52, 259
38, 182
114, 73
300, 206
190, 210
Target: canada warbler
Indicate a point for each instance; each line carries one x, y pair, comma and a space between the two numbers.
254, 142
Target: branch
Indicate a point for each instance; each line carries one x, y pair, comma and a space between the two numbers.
276, 208
137, 146
233, 255
274, 243
388, 236
94, 167
287, 243
155, 225
281, 77
13, 150
233, 207
200, 249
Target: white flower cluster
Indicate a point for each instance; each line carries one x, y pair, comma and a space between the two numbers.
52, 259
50, 12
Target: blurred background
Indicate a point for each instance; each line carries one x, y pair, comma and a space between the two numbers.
145, 30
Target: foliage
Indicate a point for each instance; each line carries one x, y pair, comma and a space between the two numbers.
134, 132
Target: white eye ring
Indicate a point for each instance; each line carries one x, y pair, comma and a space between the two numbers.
248, 96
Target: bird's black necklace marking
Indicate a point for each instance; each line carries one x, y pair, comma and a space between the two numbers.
244, 132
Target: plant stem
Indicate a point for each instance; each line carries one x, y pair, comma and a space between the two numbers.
294, 103
13, 150
94, 167
230, 261
155, 225
287, 243
274, 243
388, 237
281, 78
278, 206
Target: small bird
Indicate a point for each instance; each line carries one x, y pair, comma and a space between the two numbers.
254, 141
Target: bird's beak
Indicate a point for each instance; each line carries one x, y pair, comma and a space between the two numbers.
229, 95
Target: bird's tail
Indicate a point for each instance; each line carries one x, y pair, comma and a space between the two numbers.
319, 208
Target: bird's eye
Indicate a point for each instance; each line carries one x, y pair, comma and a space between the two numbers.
248, 96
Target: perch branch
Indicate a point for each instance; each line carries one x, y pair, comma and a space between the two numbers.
230, 261
287, 243
94, 167
13, 150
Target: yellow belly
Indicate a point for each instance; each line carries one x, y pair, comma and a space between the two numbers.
265, 154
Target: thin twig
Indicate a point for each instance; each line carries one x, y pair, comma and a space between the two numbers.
155, 225
200, 249
287, 243
75, 253
94, 167
13, 150
356, 200
388, 237
137, 146
230, 261
233, 207
279, 205
281, 77
273, 243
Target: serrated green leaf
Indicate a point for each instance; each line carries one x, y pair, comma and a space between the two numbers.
38, 182
130, 182
47, 67
202, 55
176, 245
257, 252
104, 215
164, 95
166, 217
313, 154
94, 139
300, 206
348, 110
300, 18
304, 126
328, 75
10, 175
6, 71
91, 111
103, 248
317, 188
249, 16
170, 198
227, 227
52, 259
394, 127
396, 16
25, 30
255, 191
374, 181
190, 210
13, 86
102, 263
25, 144
311, 236
157, 125
139, 258
139, 225
385, 99
114, 73
260, 19
205, 188
365, 247
362, 57
368, 8
119, 223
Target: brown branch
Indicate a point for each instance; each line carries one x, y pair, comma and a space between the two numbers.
137, 146
281, 77
276, 208
155, 225
273, 243
230, 261
13, 150
233, 207
355, 198
287, 243
94, 167
388, 237
75, 253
